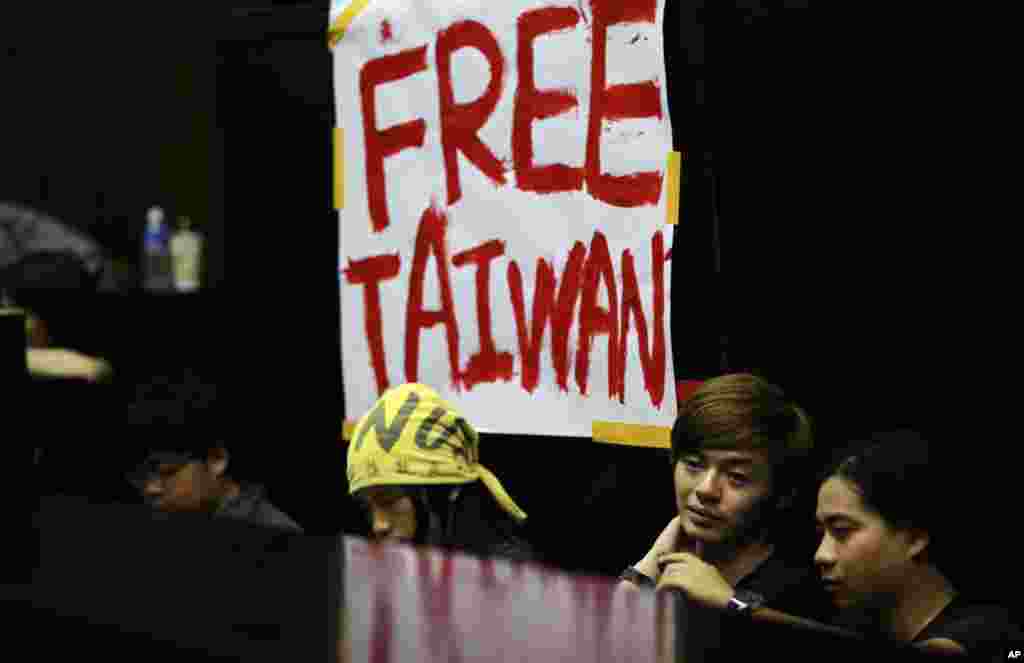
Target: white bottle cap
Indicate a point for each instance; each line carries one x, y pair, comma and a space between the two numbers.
155, 217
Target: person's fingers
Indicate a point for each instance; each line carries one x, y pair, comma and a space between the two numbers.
56, 362
673, 557
104, 372
672, 579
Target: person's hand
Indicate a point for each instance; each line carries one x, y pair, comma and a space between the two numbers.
668, 541
60, 363
700, 581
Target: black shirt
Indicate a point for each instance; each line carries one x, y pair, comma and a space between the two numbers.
986, 631
252, 506
786, 585
789, 586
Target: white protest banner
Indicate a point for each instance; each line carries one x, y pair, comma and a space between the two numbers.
503, 236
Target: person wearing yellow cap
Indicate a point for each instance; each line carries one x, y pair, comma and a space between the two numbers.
414, 466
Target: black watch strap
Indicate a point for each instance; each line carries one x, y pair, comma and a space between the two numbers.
637, 578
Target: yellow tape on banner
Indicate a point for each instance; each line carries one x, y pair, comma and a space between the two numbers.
339, 168
607, 432
673, 172
634, 435
337, 29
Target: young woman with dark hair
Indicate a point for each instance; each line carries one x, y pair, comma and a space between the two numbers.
413, 465
884, 514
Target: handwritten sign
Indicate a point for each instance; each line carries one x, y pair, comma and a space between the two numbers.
503, 237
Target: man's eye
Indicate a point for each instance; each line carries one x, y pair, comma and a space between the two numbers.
693, 463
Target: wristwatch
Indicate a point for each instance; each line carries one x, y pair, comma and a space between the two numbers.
637, 578
744, 602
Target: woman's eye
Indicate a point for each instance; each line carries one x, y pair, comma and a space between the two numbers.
739, 478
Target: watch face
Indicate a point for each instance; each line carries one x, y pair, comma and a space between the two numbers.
751, 599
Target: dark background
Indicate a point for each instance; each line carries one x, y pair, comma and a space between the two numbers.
815, 248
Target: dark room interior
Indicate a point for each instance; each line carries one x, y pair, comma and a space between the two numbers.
806, 253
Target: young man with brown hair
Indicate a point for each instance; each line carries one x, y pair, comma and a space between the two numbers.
739, 453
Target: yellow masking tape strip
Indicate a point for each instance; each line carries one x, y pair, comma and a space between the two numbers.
673, 172
337, 30
339, 168
608, 432
634, 435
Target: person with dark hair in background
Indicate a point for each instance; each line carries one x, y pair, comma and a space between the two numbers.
739, 453
43, 260
413, 465
184, 460
38, 251
44, 361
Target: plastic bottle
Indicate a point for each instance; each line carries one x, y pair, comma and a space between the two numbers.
187, 256
156, 258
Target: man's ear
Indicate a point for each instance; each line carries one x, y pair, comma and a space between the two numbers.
217, 460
